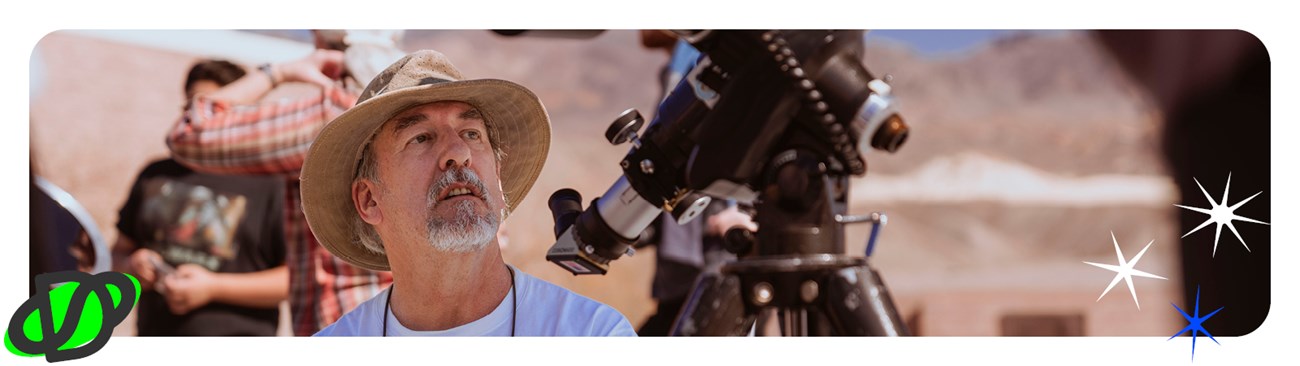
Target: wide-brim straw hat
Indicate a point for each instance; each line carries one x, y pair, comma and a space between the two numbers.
521, 125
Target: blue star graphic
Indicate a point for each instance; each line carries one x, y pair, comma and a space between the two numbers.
1194, 322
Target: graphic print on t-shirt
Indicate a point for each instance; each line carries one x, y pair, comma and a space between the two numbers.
193, 223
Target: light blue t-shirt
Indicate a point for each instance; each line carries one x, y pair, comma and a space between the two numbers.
544, 310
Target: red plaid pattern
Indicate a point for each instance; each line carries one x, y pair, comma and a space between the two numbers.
217, 137
268, 138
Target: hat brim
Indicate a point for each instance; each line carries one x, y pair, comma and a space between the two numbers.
522, 129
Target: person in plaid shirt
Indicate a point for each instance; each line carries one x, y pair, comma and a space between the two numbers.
236, 130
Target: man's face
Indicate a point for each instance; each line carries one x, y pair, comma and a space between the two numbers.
438, 177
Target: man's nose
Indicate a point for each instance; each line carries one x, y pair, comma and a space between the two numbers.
456, 154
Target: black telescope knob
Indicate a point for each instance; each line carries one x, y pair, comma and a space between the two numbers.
624, 127
892, 135
738, 240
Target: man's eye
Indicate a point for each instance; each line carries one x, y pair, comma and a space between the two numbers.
421, 138
472, 135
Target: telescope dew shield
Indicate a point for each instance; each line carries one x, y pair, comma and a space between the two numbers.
625, 212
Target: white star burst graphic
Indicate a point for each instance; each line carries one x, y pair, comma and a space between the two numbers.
1125, 270
1222, 214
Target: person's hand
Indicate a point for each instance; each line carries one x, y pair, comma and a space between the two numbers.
189, 288
321, 67
83, 250
718, 224
141, 264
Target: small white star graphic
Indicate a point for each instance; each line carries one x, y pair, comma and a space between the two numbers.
1222, 214
1125, 270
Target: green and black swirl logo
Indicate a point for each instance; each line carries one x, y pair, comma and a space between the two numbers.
67, 323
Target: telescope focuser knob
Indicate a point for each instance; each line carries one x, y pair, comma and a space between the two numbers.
625, 127
690, 207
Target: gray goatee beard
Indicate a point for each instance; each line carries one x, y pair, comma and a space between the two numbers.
467, 231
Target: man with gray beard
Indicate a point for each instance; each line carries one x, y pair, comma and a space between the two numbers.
416, 179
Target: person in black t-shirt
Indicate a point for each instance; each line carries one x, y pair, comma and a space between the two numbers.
208, 249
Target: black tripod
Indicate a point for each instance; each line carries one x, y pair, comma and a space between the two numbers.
796, 264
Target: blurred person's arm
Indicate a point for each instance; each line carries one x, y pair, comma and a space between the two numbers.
128, 256
193, 286
229, 132
658, 39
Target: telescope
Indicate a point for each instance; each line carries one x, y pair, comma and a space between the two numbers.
778, 120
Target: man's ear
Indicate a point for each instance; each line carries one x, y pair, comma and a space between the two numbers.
365, 199
500, 184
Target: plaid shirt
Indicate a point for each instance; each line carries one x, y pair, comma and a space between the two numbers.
214, 136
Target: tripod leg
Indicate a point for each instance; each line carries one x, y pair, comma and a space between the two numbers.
767, 324
714, 308
858, 301
794, 322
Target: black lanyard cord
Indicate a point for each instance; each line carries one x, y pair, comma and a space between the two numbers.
514, 301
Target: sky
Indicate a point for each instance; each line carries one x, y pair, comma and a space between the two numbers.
940, 42
926, 42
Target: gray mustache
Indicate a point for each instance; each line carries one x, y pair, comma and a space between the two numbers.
458, 175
